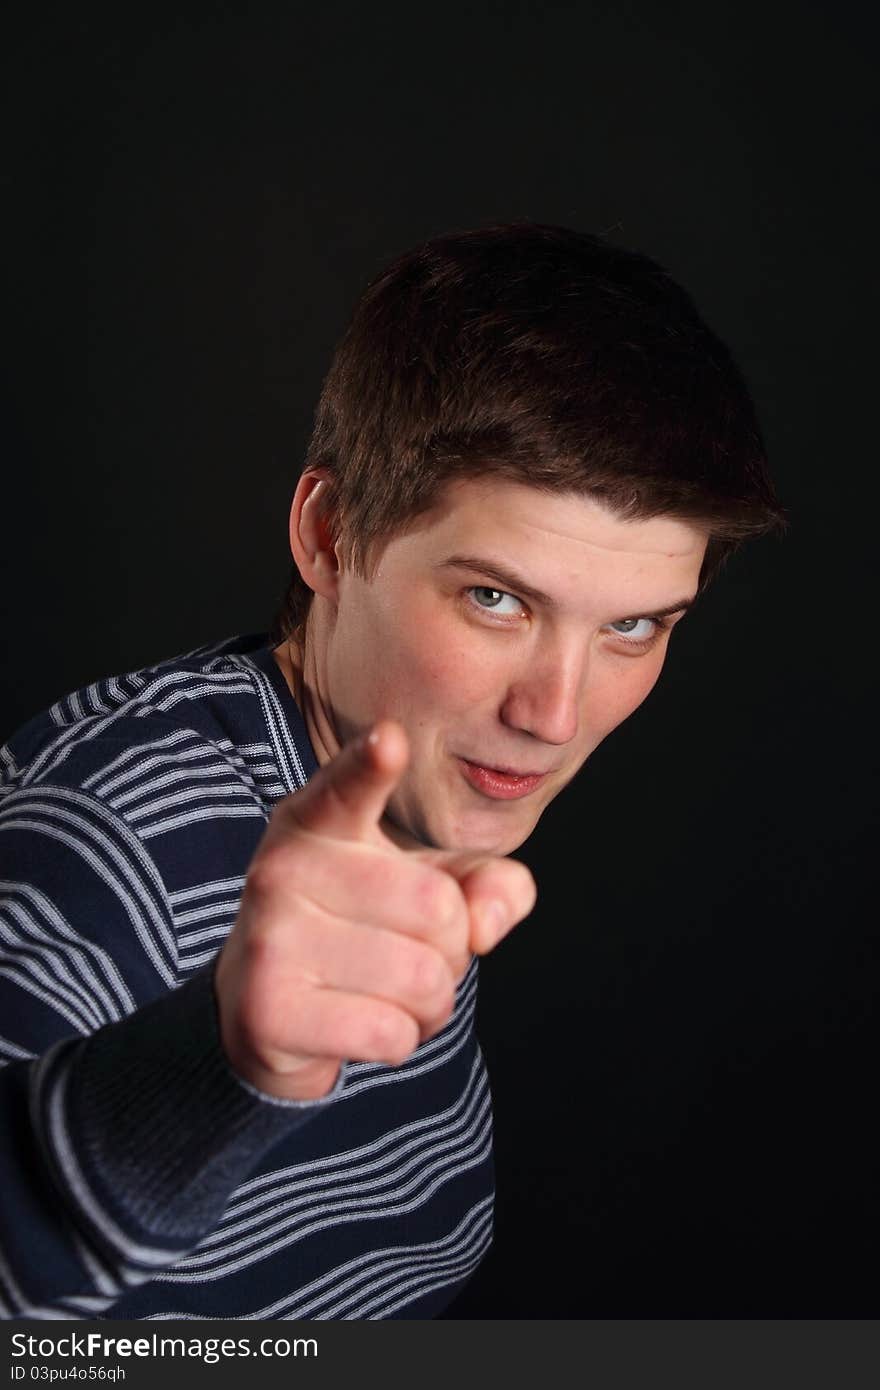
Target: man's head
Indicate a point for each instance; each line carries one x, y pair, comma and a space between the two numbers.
545, 356
528, 443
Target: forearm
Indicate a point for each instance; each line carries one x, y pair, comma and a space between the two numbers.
120, 1150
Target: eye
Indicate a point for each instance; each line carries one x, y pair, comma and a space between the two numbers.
495, 601
656, 628
630, 624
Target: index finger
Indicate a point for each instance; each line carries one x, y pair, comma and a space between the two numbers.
346, 798
499, 892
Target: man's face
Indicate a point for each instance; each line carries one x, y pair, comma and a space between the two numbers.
508, 632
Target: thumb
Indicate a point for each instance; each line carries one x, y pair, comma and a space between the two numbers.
346, 799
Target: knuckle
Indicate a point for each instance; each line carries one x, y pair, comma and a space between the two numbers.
443, 1016
427, 975
284, 872
284, 818
266, 876
438, 899
391, 1036
461, 964
256, 1027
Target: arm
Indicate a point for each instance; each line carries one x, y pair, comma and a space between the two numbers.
124, 1131
345, 946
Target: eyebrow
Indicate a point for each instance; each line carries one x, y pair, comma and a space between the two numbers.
513, 582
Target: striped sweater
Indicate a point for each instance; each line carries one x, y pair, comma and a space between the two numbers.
139, 1178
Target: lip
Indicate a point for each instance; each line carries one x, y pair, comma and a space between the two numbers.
501, 784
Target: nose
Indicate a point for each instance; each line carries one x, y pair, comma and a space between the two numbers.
546, 700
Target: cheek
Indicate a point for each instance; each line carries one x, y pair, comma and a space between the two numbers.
447, 670
622, 691
420, 662
446, 678
414, 674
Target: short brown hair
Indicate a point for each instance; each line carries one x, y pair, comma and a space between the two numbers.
544, 356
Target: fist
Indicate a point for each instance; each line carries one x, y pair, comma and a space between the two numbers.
347, 946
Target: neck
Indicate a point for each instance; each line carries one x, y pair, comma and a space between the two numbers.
295, 658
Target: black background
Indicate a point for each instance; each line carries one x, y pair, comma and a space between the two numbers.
681, 1037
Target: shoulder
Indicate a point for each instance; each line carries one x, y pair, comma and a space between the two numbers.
204, 703
153, 788
197, 745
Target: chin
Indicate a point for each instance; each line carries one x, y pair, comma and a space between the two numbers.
483, 832
488, 839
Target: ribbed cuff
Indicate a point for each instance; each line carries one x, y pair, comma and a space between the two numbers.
163, 1129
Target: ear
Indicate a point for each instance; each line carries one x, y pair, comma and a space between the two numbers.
312, 541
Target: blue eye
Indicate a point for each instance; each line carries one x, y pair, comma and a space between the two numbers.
625, 621
495, 600
656, 628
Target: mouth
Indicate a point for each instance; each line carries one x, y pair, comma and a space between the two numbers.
500, 784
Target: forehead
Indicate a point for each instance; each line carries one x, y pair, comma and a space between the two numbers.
561, 542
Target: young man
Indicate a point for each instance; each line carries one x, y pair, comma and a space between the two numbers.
244, 890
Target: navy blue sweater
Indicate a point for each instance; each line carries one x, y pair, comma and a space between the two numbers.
139, 1177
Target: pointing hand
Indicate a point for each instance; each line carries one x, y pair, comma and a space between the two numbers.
347, 946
